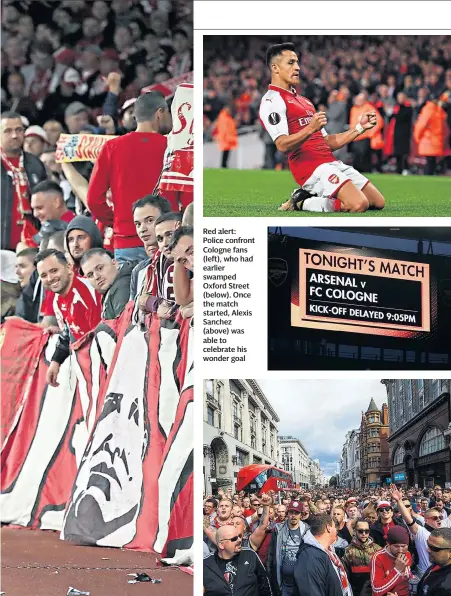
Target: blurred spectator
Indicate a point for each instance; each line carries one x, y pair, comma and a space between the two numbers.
429, 133
402, 116
18, 100
53, 129
10, 284
36, 140
43, 75
337, 118
371, 139
226, 134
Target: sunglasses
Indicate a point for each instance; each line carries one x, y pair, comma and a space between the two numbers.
436, 517
234, 539
436, 549
363, 531
385, 509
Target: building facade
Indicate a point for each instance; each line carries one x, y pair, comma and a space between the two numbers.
420, 430
374, 450
240, 428
350, 460
295, 459
317, 477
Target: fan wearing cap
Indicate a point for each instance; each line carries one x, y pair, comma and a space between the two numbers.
283, 549
71, 89
36, 140
390, 566
130, 166
432, 521
385, 521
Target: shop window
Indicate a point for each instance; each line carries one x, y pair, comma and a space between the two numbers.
399, 456
432, 441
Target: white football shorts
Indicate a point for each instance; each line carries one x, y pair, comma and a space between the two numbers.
328, 178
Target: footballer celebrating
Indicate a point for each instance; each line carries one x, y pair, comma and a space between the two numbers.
326, 184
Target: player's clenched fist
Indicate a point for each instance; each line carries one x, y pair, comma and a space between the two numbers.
368, 120
318, 121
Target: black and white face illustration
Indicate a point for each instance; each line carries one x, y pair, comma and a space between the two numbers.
107, 492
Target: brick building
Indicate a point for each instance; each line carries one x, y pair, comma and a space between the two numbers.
374, 450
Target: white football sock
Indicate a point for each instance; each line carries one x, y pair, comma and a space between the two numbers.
319, 204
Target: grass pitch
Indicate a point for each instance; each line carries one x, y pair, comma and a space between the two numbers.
259, 193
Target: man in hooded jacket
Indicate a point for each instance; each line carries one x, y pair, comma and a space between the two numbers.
82, 234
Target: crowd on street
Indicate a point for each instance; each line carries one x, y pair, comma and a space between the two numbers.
328, 542
406, 79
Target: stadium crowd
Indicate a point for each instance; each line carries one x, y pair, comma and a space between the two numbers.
80, 240
328, 542
406, 79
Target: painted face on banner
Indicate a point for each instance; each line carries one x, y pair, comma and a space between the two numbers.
108, 488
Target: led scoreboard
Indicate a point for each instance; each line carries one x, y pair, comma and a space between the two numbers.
347, 291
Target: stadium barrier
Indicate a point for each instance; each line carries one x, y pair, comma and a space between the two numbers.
249, 155
107, 456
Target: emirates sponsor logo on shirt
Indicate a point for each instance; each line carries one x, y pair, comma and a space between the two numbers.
333, 179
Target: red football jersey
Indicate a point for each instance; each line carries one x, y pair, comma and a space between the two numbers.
284, 112
80, 308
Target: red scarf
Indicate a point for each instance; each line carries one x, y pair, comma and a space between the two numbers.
340, 571
39, 88
21, 201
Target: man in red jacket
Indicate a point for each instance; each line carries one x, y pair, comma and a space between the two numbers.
390, 566
130, 166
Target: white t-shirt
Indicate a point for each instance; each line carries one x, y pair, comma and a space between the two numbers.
420, 539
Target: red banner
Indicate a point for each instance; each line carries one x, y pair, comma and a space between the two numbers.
19, 361
108, 455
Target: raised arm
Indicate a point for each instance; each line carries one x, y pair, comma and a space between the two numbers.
258, 535
406, 515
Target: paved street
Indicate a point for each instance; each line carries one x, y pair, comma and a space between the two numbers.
38, 563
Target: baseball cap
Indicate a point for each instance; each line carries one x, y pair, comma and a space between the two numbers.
351, 500
127, 104
8, 266
75, 108
383, 504
398, 535
49, 227
37, 131
296, 506
71, 77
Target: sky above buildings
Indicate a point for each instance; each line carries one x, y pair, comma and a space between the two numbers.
320, 412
